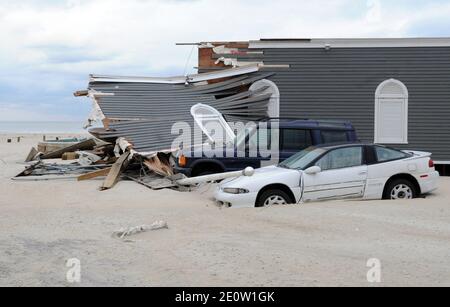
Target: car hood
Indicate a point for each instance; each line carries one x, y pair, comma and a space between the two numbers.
265, 176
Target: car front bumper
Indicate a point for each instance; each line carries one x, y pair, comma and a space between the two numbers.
247, 200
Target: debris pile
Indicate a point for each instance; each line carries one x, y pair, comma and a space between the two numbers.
138, 114
91, 158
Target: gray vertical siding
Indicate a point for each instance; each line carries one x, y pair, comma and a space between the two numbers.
341, 84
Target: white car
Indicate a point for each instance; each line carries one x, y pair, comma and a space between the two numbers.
357, 171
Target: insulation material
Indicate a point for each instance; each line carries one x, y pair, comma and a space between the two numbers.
235, 63
95, 116
224, 50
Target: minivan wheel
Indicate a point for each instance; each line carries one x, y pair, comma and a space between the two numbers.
273, 198
401, 189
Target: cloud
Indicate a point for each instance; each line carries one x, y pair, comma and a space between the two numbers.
50, 46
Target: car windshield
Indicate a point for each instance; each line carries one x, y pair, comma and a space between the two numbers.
302, 159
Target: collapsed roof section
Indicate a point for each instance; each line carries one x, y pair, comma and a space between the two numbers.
237, 71
144, 110
216, 56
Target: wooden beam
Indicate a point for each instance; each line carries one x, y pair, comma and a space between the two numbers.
85, 145
95, 174
116, 170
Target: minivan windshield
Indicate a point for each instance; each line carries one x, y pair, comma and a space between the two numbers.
302, 159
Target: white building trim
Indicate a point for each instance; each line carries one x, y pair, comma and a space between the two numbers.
391, 94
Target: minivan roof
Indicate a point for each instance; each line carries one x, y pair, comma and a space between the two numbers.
310, 123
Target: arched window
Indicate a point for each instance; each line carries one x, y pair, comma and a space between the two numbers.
272, 88
391, 113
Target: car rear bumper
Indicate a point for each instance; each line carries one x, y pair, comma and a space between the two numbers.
247, 200
429, 183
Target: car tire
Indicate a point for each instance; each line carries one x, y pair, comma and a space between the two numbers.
274, 197
400, 189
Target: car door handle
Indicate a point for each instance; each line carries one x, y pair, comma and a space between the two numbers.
362, 173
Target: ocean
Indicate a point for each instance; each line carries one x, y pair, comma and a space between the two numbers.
41, 127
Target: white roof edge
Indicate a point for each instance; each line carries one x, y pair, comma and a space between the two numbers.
351, 43
181, 79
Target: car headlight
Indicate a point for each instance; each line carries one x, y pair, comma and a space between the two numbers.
235, 191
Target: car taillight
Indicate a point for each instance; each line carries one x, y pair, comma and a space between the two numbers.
431, 164
182, 161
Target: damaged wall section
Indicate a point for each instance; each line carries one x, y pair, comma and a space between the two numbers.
144, 110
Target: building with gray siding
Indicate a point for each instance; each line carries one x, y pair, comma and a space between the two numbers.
395, 91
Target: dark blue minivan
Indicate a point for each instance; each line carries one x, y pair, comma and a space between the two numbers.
294, 135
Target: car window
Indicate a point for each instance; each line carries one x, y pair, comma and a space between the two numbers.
341, 158
295, 139
388, 154
334, 136
302, 159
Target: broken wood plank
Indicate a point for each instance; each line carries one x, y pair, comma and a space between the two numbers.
95, 174
33, 153
116, 171
85, 145
81, 93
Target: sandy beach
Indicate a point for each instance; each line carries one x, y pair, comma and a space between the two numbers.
43, 224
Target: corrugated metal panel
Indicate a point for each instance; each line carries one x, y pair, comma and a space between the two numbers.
149, 111
341, 83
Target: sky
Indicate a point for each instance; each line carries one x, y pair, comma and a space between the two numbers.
49, 47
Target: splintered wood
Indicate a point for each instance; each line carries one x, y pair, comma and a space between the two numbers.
159, 167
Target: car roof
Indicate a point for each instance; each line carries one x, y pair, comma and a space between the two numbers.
311, 123
342, 145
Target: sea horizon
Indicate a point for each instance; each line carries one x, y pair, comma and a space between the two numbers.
41, 127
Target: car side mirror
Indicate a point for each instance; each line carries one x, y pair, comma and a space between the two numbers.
313, 170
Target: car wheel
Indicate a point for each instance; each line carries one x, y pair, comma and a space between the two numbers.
401, 189
274, 198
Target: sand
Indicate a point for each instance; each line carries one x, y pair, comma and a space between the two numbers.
43, 224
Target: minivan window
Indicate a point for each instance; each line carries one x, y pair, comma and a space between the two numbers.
295, 139
330, 136
260, 139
